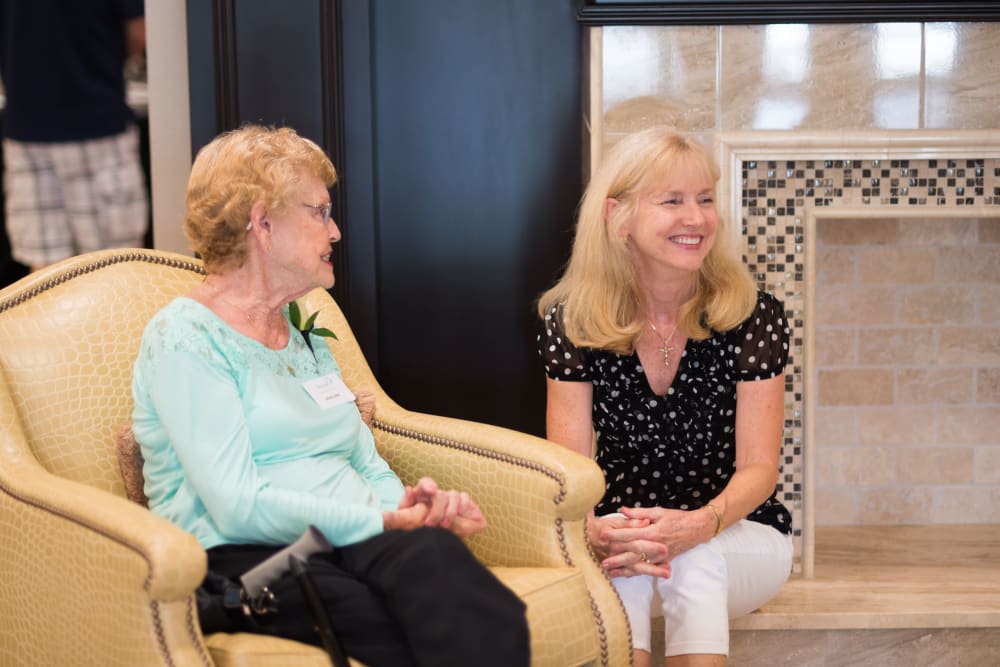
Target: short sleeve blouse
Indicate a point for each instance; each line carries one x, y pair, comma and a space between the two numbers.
678, 450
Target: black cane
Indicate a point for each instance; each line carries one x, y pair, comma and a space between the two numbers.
333, 647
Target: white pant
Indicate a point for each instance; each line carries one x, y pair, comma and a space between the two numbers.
733, 574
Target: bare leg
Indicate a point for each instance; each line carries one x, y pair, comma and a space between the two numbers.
641, 658
696, 660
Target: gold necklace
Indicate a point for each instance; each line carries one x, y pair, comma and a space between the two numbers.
667, 347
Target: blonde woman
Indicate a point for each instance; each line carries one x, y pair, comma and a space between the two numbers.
658, 347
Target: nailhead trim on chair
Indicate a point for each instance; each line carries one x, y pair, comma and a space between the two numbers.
158, 629
455, 444
601, 629
129, 256
132, 256
154, 606
194, 631
389, 428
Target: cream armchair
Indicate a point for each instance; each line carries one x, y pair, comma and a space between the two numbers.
89, 578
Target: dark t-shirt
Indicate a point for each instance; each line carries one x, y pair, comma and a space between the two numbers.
62, 64
676, 451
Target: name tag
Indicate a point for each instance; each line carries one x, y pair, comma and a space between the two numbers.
328, 391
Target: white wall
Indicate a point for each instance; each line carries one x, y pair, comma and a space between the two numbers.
169, 120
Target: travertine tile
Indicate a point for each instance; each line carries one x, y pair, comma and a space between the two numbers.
988, 385
820, 77
836, 347
966, 504
835, 426
938, 231
896, 264
989, 304
835, 505
890, 347
980, 264
963, 80
864, 232
896, 425
856, 306
938, 305
836, 266
927, 388
974, 346
934, 385
989, 230
979, 425
841, 466
987, 465
893, 505
857, 386
935, 465
929, 579
659, 74
901, 647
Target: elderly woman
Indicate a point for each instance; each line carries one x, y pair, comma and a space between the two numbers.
242, 451
657, 340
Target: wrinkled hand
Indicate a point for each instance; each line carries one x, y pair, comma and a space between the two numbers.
453, 510
365, 400
624, 556
405, 518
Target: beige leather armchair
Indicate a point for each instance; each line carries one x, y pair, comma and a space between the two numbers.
90, 578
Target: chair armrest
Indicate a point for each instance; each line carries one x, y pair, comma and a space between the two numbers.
91, 527
110, 579
535, 495
531, 490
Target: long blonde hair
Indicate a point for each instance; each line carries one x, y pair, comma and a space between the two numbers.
599, 292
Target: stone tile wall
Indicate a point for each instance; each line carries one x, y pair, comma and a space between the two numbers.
811, 96
907, 362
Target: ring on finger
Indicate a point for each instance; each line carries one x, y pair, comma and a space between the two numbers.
643, 557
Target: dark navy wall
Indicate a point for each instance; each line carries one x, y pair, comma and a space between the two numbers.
459, 153
477, 145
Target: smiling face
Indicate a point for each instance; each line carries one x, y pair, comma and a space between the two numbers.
302, 236
673, 223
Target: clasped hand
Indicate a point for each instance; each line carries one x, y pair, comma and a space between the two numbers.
643, 540
424, 504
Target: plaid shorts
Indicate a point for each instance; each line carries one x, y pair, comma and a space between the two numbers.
69, 198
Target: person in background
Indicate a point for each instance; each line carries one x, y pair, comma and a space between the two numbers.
657, 344
249, 435
73, 178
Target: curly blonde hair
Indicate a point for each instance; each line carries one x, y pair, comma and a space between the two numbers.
599, 293
235, 170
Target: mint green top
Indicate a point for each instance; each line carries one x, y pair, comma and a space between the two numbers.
236, 450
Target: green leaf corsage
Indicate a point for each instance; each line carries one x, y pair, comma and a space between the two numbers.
307, 327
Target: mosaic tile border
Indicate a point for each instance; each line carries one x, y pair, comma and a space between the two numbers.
775, 196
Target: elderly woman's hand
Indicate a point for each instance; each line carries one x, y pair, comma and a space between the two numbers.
405, 518
454, 510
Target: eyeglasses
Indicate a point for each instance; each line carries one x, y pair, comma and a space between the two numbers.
322, 210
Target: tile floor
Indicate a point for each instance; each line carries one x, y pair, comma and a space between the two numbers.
883, 596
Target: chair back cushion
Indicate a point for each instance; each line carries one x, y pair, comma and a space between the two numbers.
70, 336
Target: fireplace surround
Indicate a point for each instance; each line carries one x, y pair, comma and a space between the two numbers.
895, 121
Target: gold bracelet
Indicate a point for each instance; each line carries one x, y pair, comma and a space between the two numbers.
719, 523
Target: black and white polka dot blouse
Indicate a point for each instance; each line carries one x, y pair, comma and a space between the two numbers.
678, 450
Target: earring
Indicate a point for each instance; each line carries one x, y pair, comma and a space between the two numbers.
249, 225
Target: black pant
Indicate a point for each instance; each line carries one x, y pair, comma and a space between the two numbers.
400, 598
